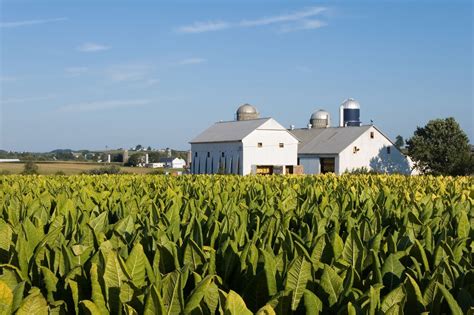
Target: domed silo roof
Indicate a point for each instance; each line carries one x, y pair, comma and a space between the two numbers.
320, 114
247, 112
351, 103
320, 119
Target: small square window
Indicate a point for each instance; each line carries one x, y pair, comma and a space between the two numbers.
388, 150
208, 154
259, 144
371, 135
282, 145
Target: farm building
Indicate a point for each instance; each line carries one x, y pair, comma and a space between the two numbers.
171, 162
249, 144
253, 145
349, 147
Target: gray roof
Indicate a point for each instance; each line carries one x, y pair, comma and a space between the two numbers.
331, 140
229, 131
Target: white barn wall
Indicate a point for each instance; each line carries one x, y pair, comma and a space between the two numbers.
232, 151
270, 134
370, 149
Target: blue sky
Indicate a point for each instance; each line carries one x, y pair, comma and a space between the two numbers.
91, 74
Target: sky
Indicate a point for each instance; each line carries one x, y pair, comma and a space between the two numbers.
113, 74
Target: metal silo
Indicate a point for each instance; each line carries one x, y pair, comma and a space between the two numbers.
320, 119
247, 112
349, 113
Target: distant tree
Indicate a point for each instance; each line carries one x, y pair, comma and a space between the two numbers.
399, 142
149, 148
135, 159
112, 169
441, 148
138, 147
30, 168
118, 157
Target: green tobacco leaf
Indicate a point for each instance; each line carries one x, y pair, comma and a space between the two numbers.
193, 255
197, 295
97, 293
154, 303
136, 265
5, 236
392, 271
114, 275
173, 293
453, 305
50, 281
266, 310
312, 303
353, 251
6, 299
91, 307
414, 292
395, 297
332, 284
298, 276
235, 305
34, 303
463, 225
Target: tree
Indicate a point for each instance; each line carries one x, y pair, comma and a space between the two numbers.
30, 168
135, 159
399, 143
441, 148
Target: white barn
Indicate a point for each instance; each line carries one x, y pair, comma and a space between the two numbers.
350, 146
247, 145
344, 149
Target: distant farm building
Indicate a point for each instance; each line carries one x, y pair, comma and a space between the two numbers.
170, 162
253, 145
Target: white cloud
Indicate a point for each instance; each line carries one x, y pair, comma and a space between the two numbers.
295, 16
128, 72
26, 99
298, 20
76, 71
30, 22
102, 105
201, 27
92, 47
303, 25
191, 61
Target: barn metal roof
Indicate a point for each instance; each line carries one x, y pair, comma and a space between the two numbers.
331, 140
229, 131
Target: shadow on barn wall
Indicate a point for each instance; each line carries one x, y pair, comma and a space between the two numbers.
392, 163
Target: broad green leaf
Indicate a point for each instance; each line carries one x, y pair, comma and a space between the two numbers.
298, 276
50, 281
154, 303
234, 305
173, 293
136, 265
97, 293
266, 310
6, 299
463, 225
312, 303
34, 303
395, 297
332, 284
91, 307
453, 305
114, 275
392, 271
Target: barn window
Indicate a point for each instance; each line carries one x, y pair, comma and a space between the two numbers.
259, 144
195, 154
222, 154
388, 150
208, 154
282, 145
371, 135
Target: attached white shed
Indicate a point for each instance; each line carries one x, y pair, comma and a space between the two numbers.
258, 146
342, 149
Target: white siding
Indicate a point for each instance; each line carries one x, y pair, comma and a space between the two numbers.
231, 160
270, 134
372, 154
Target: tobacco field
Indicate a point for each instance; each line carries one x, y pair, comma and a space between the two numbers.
130, 244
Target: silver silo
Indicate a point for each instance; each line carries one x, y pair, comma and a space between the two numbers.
247, 112
320, 119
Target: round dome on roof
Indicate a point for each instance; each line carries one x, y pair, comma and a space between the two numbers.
247, 112
246, 109
351, 103
320, 114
